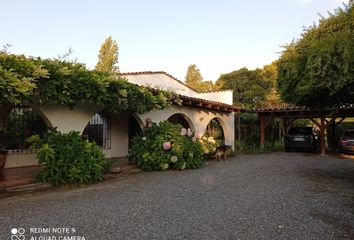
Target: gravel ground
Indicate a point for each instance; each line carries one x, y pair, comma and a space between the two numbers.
269, 196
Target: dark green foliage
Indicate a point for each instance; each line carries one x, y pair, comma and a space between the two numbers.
250, 87
149, 153
33, 80
318, 70
67, 158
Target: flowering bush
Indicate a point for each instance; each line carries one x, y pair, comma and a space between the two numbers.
166, 146
209, 144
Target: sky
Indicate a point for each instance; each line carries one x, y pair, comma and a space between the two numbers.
219, 36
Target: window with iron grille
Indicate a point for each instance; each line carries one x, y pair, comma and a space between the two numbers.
99, 131
22, 123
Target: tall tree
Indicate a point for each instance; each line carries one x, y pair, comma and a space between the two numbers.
270, 74
249, 86
317, 70
194, 78
108, 56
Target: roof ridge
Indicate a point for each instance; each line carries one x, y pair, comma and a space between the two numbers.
174, 78
159, 72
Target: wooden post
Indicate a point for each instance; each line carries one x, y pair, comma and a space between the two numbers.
280, 138
334, 144
239, 128
322, 133
262, 131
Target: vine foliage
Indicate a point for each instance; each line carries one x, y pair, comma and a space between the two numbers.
29, 80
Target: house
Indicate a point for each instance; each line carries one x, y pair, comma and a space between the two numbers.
113, 132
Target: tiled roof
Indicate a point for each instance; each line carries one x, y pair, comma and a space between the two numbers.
191, 101
157, 72
169, 75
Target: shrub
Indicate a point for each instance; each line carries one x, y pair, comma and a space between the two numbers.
166, 146
67, 158
209, 144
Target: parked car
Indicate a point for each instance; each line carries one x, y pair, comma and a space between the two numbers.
302, 138
346, 143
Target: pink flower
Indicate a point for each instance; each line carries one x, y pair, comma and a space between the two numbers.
167, 145
189, 132
198, 135
183, 131
194, 139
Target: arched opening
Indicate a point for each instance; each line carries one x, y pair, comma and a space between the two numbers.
22, 123
98, 130
181, 119
214, 129
134, 129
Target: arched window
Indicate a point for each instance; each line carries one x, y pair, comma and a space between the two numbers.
215, 130
21, 124
179, 119
98, 130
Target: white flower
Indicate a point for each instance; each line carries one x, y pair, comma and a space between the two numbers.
174, 159
189, 132
183, 166
204, 138
164, 166
143, 138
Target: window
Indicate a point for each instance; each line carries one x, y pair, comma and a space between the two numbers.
21, 124
98, 130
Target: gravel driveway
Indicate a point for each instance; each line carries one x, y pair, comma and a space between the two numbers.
269, 196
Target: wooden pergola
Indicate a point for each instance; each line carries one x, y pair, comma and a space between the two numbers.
321, 118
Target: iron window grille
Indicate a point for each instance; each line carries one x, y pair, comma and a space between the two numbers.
98, 130
22, 123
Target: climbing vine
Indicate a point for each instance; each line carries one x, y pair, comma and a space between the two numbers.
29, 80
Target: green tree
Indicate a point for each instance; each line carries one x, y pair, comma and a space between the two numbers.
108, 56
317, 70
270, 74
194, 78
249, 86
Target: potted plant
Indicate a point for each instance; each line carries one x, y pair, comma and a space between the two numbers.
3, 152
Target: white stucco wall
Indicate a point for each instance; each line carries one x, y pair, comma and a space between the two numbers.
225, 96
66, 119
199, 118
20, 160
119, 136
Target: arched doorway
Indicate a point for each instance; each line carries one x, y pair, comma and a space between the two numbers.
134, 129
22, 123
181, 119
98, 130
214, 129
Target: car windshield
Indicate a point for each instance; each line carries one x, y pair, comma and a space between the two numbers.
301, 130
349, 134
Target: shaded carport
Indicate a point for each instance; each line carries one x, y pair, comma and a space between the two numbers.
321, 118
